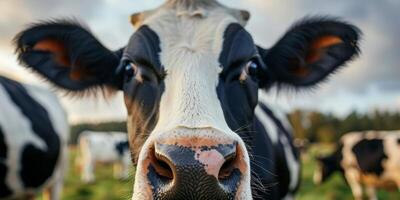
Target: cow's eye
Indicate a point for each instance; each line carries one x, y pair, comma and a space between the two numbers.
130, 69
251, 69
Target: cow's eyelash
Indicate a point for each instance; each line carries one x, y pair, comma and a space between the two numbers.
145, 64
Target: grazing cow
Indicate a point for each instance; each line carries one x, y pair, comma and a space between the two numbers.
33, 141
190, 76
370, 159
103, 147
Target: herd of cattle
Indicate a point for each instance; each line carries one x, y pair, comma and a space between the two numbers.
191, 75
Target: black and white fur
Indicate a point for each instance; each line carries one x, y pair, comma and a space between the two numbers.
33, 141
367, 160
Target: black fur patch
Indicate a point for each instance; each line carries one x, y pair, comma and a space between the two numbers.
122, 147
3, 146
331, 164
191, 181
264, 175
143, 98
370, 154
238, 100
4, 190
238, 47
36, 165
144, 48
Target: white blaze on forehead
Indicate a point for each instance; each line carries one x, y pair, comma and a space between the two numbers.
190, 50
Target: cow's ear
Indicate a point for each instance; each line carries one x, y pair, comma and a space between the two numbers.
311, 50
67, 55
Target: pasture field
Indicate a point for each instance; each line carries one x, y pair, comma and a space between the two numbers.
107, 188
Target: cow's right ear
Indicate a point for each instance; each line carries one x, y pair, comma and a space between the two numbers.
68, 55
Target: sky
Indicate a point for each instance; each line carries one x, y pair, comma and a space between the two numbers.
368, 83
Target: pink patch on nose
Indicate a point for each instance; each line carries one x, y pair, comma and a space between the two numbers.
212, 159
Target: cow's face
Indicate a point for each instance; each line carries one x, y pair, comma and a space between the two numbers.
190, 76
185, 74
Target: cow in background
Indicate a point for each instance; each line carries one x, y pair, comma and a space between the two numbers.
103, 147
368, 160
33, 141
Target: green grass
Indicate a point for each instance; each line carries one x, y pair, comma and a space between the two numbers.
107, 188
104, 188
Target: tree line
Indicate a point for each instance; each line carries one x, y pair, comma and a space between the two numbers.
313, 126
77, 129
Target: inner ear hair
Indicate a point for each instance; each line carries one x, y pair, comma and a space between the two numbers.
57, 48
62, 58
319, 46
316, 50
313, 38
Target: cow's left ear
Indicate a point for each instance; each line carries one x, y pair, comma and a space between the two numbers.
68, 55
311, 50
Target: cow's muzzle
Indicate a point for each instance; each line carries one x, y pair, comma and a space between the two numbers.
186, 173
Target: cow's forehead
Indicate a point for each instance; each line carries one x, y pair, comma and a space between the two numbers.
181, 27
200, 9
187, 41
194, 28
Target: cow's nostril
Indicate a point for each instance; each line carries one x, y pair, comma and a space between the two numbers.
227, 168
162, 168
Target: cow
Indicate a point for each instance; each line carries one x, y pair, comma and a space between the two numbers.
367, 160
33, 141
103, 147
190, 75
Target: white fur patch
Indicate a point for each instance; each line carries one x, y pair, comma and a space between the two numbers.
269, 125
293, 165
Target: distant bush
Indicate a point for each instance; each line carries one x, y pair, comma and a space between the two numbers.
103, 126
